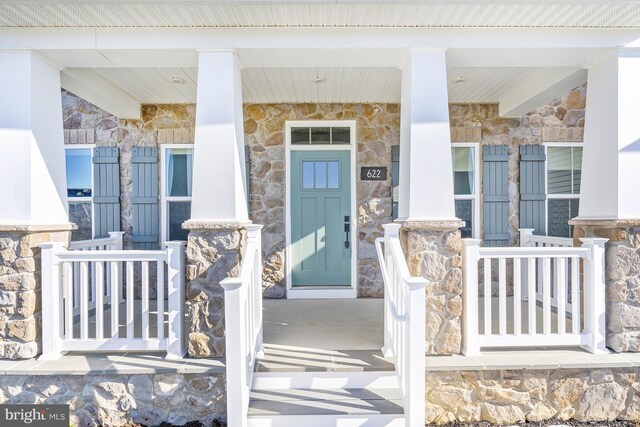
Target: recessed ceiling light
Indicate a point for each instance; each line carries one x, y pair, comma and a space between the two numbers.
459, 79
177, 80
318, 79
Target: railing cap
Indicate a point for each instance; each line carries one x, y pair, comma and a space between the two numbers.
175, 243
471, 242
417, 282
231, 283
253, 227
526, 230
595, 241
391, 230
52, 245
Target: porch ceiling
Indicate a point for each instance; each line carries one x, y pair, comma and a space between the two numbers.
342, 84
323, 13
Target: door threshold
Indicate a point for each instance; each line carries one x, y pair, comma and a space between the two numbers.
321, 292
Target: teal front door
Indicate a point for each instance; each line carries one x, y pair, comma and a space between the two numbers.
320, 218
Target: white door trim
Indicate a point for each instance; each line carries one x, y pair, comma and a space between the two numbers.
321, 292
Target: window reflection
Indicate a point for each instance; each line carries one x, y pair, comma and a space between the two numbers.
321, 174
333, 174
307, 174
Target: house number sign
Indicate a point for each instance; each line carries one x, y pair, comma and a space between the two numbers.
373, 173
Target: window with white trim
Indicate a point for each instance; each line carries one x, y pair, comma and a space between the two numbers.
465, 186
177, 173
564, 167
79, 172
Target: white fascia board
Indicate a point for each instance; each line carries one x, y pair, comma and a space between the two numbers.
101, 92
523, 57
547, 85
312, 38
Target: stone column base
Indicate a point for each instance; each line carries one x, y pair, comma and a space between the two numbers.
433, 251
214, 251
622, 278
20, 297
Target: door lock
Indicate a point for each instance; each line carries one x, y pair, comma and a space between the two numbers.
347, 229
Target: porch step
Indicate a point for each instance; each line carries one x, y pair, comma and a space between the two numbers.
328, 407
299, 386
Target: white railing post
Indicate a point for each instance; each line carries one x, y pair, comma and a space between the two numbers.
416, 351
51, 288
470, 300
235, 353
526, 240
391, 231
175, 299
254, 236
117, 237
594, 293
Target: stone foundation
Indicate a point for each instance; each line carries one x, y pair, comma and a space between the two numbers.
622, 279
213, 253
433, 251
513, 396
117, 400
20, 317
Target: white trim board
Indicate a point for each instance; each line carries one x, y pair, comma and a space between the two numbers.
321, 291
164, 220
90, 147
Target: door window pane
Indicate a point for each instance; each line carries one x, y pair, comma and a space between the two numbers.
179, 169
78, 166
558, 216
80, 214
464, 211
179, 212
333, 174
321, 174
341, 135
300, 135
577, 169
320, 136
307, 174
463, 173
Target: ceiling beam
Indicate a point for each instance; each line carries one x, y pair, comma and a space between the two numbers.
534, 92
101, 92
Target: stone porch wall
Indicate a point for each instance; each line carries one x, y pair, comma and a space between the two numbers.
121, 400
516, 396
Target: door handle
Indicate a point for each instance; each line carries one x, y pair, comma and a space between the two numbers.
347, 229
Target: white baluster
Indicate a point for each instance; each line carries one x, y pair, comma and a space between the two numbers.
84, 300
130, 300
160, 298
487, 297
99, 295
575, 295
502, 294
561, 294
114, 268
175, 299
51, 299
546, 295
517, 296
594, 293
531, 280
68, 301
470, 303
145, 299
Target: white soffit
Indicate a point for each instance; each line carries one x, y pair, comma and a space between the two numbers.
342, 84
486, 14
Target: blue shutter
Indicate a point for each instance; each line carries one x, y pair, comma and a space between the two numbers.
145, 197
395, 178
532, 188
106, 191
495, 192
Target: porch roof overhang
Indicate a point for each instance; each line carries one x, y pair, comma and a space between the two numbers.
520, 68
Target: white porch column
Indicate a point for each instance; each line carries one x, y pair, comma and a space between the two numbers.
32, 162
429, 233
426, 175
33, 200
219, 204
609, 202
611, 157
218, 161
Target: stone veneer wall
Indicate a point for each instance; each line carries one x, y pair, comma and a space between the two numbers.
622, 279
514, 396
119, 400
377, 130
20, 302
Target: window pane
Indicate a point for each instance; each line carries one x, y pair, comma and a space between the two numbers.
78, 163
341, 135
307, 174
321, 174
179, 167
300, 135
577, 169
320, 136
333, 175
179, 212
559, 170
463, 164
464, 211
559, 214
80, 214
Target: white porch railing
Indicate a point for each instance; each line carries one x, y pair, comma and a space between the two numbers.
532, 271
114, 243
404, 323
529, 240
82, 295
243, 323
